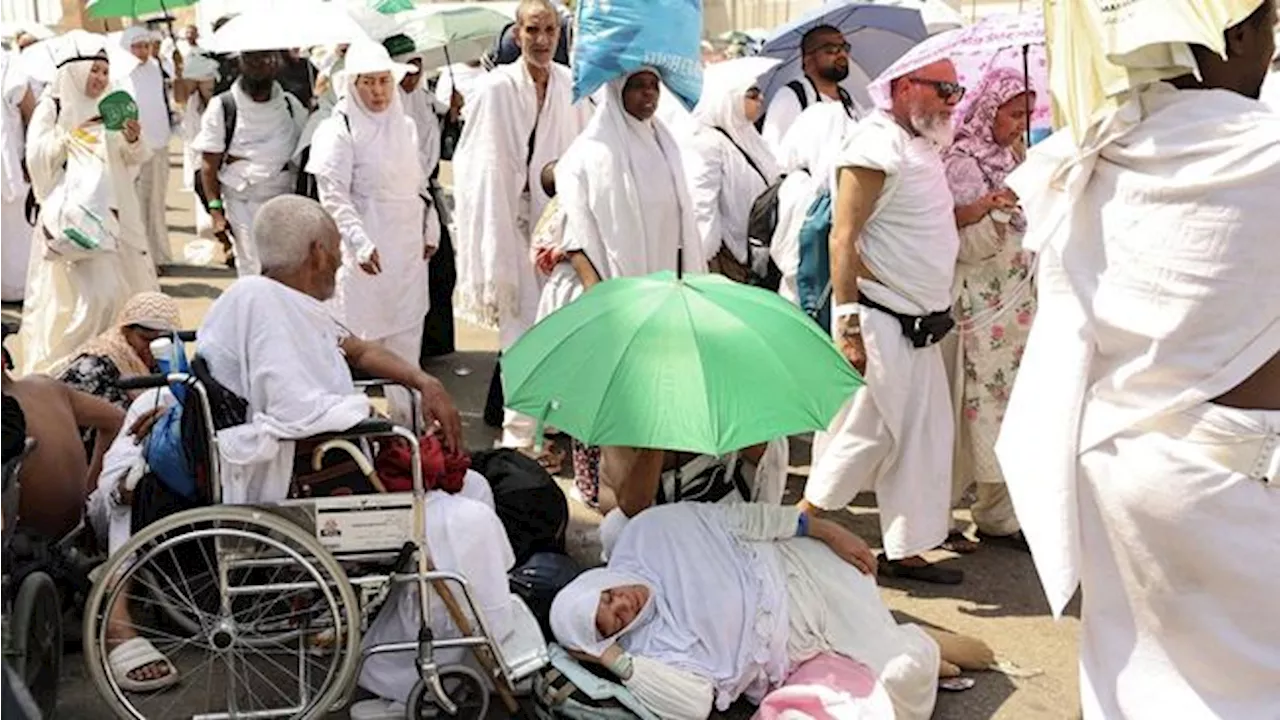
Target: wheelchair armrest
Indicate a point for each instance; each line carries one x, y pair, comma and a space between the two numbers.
143, 382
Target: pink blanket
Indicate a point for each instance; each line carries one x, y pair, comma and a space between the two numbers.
828, 687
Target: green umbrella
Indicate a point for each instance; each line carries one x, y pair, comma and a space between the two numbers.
391, 7
133, 8
699, 364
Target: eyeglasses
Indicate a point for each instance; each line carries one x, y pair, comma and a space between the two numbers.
948, 91
840, 48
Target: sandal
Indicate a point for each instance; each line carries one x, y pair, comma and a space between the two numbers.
930, 573
958, 543
1014, 540
133, 655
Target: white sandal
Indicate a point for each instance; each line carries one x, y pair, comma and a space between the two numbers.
134, 654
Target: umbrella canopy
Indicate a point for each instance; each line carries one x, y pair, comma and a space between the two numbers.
1014, 41
937, 15
287, 24
877, 34
390, 7
40, 60
133, 8
700, 364
442, 33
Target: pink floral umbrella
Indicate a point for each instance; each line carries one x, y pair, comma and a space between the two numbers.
996, 41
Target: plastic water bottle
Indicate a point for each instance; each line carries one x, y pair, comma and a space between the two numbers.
166, 356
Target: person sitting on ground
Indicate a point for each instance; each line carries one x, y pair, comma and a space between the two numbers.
768, 589
124, 350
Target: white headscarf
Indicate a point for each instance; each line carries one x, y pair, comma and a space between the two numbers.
721, 106
390, 133
718, 611
619, 152
75, 64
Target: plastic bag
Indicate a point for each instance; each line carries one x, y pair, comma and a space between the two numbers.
77, 216
617, 37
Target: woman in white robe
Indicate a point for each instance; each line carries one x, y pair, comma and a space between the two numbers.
686, 631
730, 167
627, 209
71, 301
17, 103
365, 161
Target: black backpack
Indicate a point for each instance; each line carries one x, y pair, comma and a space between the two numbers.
530, 505
227, 100
538, 581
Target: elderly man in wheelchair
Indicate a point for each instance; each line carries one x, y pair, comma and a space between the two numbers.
274, 581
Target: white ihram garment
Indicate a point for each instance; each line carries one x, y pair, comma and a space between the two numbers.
15, 231
279, 350
69, 302
145, 84
465, 536
367, 170
895, 435
425, 110
1157, 293
499, 197
266, 134
499, 193
807, 161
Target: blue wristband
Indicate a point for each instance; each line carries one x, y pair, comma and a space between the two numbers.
802, 525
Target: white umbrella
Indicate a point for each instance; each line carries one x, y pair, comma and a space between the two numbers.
287, 24
938, 16
40, 61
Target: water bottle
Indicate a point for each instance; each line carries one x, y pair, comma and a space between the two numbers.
166, 354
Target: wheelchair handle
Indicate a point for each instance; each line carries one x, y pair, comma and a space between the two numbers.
144, 382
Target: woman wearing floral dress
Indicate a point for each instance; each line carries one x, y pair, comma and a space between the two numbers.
995, 298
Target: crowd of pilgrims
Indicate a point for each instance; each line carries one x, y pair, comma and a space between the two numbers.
550, 197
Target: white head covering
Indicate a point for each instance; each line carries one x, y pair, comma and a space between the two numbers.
75, 58
721, 106
718, 612
389, 134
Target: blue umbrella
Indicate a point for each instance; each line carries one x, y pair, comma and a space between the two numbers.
877, 34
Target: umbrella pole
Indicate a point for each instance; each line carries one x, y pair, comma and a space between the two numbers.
448, 64
1026, 87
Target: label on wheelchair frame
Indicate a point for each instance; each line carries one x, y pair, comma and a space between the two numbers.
347, 526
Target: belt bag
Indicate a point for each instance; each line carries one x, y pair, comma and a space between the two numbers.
921, 330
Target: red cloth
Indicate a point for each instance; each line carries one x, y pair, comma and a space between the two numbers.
440, 471
546, 259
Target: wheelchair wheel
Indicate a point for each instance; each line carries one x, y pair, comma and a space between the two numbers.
465, 688
36, 633
266, 615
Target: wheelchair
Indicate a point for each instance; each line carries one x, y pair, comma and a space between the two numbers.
261, 608
33, 630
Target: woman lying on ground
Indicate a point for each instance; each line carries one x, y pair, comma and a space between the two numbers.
701, 604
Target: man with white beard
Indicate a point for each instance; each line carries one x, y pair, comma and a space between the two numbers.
893, 257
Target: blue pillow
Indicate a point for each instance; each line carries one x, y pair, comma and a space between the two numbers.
618, 37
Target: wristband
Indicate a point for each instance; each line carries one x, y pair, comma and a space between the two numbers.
621, 666
845, 310
215, 204
802, 525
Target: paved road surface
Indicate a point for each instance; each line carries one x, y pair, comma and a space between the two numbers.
1000, 600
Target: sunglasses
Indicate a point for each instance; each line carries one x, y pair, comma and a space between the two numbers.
948, 91
753, 94
840, 48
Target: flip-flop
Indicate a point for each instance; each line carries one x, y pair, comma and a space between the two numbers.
134, 654
1014, 540
930, 573
959, 544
